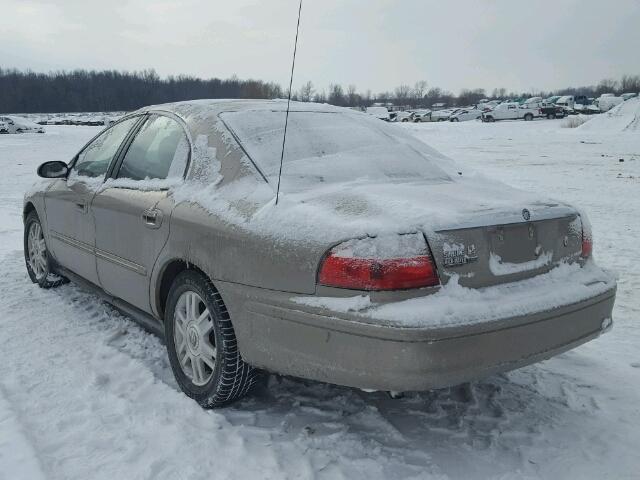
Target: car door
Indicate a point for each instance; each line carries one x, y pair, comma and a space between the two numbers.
132, 212
70, 224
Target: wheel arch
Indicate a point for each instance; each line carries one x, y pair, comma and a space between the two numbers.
27, 209
167, 274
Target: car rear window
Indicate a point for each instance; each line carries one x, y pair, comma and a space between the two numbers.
327, 147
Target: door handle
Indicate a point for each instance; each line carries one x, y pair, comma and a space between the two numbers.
152, 218
82, 206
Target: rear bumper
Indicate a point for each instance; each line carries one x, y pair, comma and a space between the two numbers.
339, 348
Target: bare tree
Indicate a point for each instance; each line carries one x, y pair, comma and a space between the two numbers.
352, 96
320, 97
402, 94
306, 92
336, 94
419, 90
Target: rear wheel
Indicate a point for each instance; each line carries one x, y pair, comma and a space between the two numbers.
455, 119
528, 117
550, 116
201, 343
36, 254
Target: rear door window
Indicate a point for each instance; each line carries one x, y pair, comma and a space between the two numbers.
160, 150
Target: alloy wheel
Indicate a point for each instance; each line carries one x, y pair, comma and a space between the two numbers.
194, 338
37, 251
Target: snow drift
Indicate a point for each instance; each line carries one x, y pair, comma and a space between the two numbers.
622, 118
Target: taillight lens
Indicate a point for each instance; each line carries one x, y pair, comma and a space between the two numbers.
381, 263
587, 237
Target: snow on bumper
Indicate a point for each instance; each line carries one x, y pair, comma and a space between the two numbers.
444, 339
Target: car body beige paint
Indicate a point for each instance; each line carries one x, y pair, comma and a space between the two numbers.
259, 270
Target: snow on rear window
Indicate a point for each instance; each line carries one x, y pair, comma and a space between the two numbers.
327, 147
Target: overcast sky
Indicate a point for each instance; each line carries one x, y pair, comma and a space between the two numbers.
374, 44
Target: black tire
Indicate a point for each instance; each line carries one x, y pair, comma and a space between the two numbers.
528, 117
232, 378
455, 120
490, 119
50, 279
404, 120
550, 116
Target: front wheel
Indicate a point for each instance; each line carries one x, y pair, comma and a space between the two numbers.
201, 343
36, 254
528, 117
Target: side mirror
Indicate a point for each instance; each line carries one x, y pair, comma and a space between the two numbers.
53, 169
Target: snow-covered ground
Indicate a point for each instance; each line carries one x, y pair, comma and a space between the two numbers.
85, 393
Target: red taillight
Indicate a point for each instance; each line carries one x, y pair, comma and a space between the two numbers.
587, 244
587, 238
378, 274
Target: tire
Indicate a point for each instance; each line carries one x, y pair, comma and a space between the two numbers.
417, 120
455, 120
550, 116
528, 117
212, 377
36, 254
404, 120
490, 119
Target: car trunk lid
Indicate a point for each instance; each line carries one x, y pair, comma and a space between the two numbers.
484, 255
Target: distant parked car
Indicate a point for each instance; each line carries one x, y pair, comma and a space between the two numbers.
404, 117
4, 128
551, 111
533, 102
21, 125
465, 115
422, 115
607, 103
551, 100
627, 96
510, 111
442, 115
379, 112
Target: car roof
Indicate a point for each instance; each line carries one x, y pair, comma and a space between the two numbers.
208, 107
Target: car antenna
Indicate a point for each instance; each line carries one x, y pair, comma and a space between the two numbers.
286, 120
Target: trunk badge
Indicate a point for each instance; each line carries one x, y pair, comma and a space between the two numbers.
526, 214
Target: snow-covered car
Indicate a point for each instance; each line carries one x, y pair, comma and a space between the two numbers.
442, 115
16, 124
400, 275
423, 115
379, 112
4, 126
606, 103
533, 102
465, 115
628, 96
404, 117
510, 111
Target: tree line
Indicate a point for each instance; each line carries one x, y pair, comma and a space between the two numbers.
95, 91
99, 91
